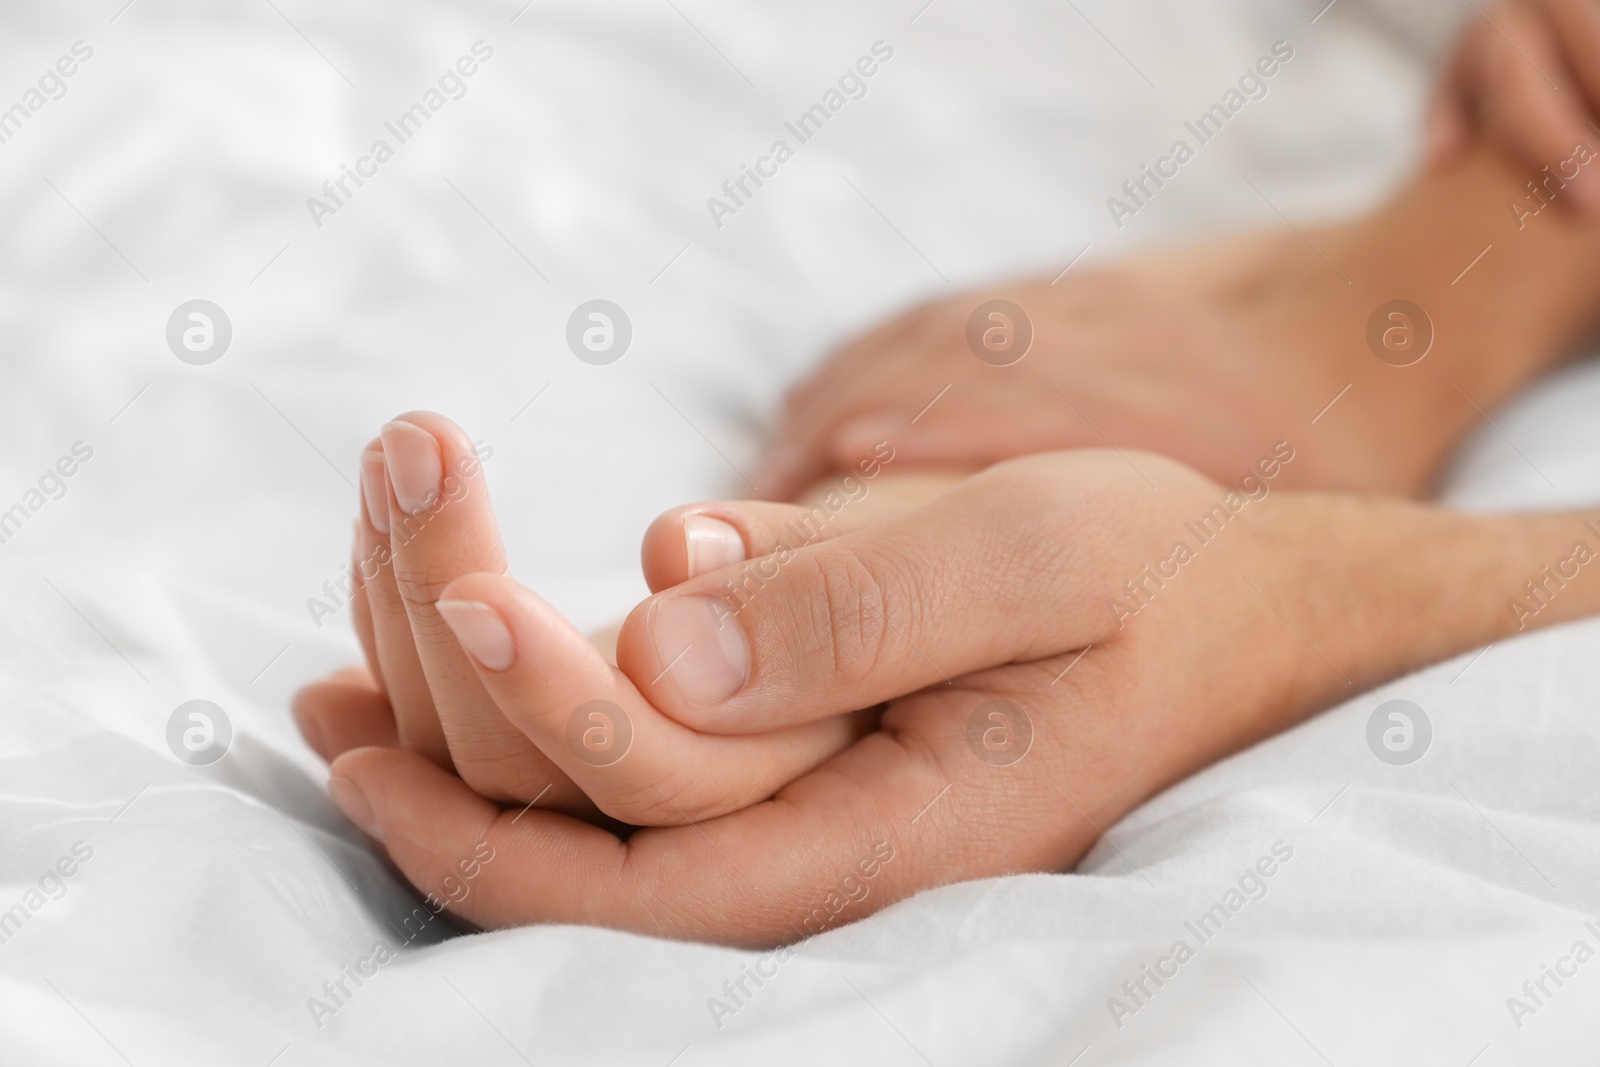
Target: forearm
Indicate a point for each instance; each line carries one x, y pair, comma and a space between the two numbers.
1380, 588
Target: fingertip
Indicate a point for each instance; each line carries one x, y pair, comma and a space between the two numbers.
711, 544
302, 707
356, 807
343, 712
394, 795
785, 469
375, 487
480, 586
480, 630
455, 447
687, 542
664, 553
522, 628
431, 421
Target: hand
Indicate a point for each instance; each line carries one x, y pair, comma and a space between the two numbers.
1527, 73
1030, 695
424, 519
420, 692
1181, 353
1210, 354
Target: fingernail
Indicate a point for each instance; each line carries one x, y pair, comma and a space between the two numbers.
373, 490
481, 631
711, 544
353, 802
701, 648
415, 469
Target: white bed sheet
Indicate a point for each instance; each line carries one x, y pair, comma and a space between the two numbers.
179, 561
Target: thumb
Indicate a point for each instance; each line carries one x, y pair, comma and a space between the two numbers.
1001, 568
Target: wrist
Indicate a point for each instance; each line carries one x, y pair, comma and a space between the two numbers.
1397, 586
1510, 292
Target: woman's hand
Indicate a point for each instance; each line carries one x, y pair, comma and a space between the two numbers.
1183, 353
424, 519
1207, 353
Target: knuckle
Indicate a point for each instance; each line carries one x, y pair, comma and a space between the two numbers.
847, 621
504, 777
423, 582
670, 799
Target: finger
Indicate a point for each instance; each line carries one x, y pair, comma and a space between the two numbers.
360, 610
1526, 96
442, 526
533, 865
342, 712
1578, 23
891, 365
791, 461
842, 363
956, 586
766, 875
637, 765
416, 722
697, 539
988, 422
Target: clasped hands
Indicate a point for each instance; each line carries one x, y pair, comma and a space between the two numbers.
943, 676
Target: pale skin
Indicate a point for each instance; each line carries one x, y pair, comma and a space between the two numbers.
930, 597
990, 590
1203, 353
